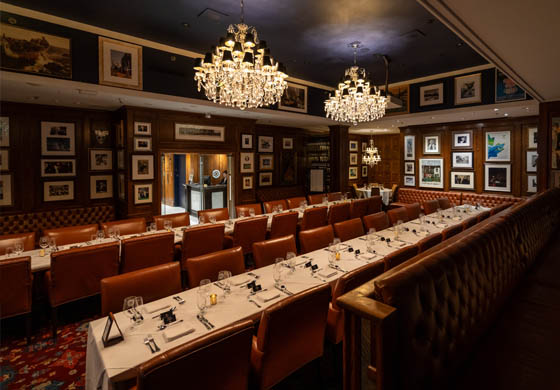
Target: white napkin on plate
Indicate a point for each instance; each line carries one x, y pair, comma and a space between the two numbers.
327, 273
174, 332
241, 281
155, 306
266, 296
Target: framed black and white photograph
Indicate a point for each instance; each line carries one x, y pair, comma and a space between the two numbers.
294, 98
58, 167
247, 162
353, 146
353, 173
142, 144
506, 89
58, 190
265, 179
120, 64
364, 170
99, 137
142, 193
431, 95
4, 131
142, 128
468, 89
462, 180
266, 161
101, 159
532, 158
246, 141
186, 132
121, 186
4, 160
532, 141
431, 144
410, 181
247, 182
462, 139
498, 146
353, 158
462, 160
409, 147
431, 172
287, 143
120, 159
266, 144
6, 190
142, 167
532, 183
497, 177
101, 187
57, 139
409, 168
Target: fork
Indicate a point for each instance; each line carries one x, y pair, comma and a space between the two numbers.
147, 342
151, 339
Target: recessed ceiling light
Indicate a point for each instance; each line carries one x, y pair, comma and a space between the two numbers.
496, 109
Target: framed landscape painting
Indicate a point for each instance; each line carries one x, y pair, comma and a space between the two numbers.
120, 64
497, 177
57, 139
185, 132
353, 173
431, 94
294, 98
266, 161
462, 180
265, 179
498, 146
431, 172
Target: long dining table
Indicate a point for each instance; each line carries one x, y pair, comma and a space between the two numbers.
108, 365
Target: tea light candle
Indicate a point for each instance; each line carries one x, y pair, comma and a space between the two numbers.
42, 252
213, 299
337, 255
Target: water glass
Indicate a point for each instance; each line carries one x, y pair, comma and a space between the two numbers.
18, 248
439, 214
277, 271
332, 254
201, 219
223, 278
422, 218
252, 212
205, 284
325, 199
100, 235
291, 260
280, 208
153, 227
111, 232
398, 227
242, 214
52, 245
44, 242
167, 224
201, 300
10, 251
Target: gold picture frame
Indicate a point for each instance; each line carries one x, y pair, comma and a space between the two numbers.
130, 73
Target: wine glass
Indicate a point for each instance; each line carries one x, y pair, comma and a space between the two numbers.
439, 214
117, 232
212, 219
129, 309
223, 278
201, 296
44, 242
422, 218
111, 232
18, 248
290, 259
52, 245
332, 254
252, 212
205, 284
242, 214
100, 235
167, 225
10, 251
325, 199
398, 227
336, 243
277, 271
201, 219
153, 227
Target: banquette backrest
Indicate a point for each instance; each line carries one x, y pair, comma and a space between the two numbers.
409, 195
488, 200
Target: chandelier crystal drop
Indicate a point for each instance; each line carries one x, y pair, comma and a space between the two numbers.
371, 156
240, 72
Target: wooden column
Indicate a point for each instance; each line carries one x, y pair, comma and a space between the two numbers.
339, 157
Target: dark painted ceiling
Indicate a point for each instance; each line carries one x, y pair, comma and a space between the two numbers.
310, 36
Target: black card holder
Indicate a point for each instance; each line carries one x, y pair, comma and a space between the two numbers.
107, 342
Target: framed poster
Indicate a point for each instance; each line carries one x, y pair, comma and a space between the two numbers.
4, 131
265, 179
247, 162
353, 146
409, 147
247, 182
120, 64
246, 141
410, 181
431, 172
431, 144
142, 193
58, 190
532, 158
4, 160
364, 170
294, 98
497, 177
353, 173
506, 89
462, 139
409, 168
101, 160
186, 132
101, 187
6, 190
532, 183
142, 144
287, 143
462, 180
431, 94
266, 161
462, 160
498, 146
57, 139
468, 89
266, 144
58, 168
142, 128
142, 167
353, 158
532, 134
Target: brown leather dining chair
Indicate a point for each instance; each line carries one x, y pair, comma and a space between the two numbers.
209, 265
413, 210
500, 208
294, 203
398, 214
16, 282
125, 226
8, 240
314, 217
338, 213
375, 204
469, 222
177, 220
430, 206
444, 203
146, 251
71, 234
272, 204
451, 231
428, 242
265, 252
378, 221
221, 214
315, 198
348, 230
359, 208
217, 360
248, 231
482, 216
150, 283
334, 196
400, 256
245, 209
313, 239
291, 334
284, 224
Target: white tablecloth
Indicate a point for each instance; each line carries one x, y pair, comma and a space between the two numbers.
384, 193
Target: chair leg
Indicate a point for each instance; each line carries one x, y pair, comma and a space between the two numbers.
54, 321
28, 325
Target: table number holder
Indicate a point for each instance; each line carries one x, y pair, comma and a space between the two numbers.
107, 342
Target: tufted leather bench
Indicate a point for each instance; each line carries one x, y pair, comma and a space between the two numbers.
411, 195
488, 200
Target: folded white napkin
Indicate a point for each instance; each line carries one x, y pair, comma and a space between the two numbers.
367, 257
155, 306
241, 281
266, 296
174, 332
327, 273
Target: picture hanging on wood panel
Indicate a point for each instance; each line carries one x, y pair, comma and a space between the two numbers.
498, 146
247, 182
142, 128
353, 173
288, 167
142, 144
532, 135
186, 132
266, 144
101, 159
409, 147
142, 193
431, 144
462, 180
353, 158
142, 167
497, 177
462, 139
409, 168
287, 143
364, 170
101, 187
120, 64
57, 139
4, 131
468, 89
121, 185
247, 162
58, 190
265, 179
431, 172
58, 168
532, 157
120, 159
353, 146
100, 138
462, 160
266, 161
431, 94
506, 89
410, 181
532, 183
6, 190
246, 141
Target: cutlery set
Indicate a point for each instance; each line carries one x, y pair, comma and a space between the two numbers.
149, 340
204, 321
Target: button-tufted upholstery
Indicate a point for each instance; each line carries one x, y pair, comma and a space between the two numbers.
411, 195
488, 200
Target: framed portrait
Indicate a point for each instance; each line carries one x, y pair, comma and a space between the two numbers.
186, 132
57, 139
142, 167
364, 146
120, 64
431, 95
294, 98
431, 172
410, 181
353, 173
265, 179
497, 177
266, 144
142, 128
431, 144
532, 134
121, 186
58, 167
6, 190
58, 190
364, 170
247, 182
409, 168
353, 158
288, 167
4, 131
498, 146
142, 144
532, 183
99, 137
555, 145
468, 89
246, 141
506, 89
462, 180
287, 143
120, 159
247, 162
101, 187
36, 52
101, 159
532, 157
462, 160
353, 146
266, 161
462, 139
4, 160
409, 147
142, 193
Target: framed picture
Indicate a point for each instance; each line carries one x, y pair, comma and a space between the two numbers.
247, 182
185, 132
121, 186
462, 160
142, 193
364, 146
353, 158
287, 143
401, 92
57, 139
497, 177
353, 146
498, 146
4, 160
555, 145
101, 187
120, 159
467, 89
462, 139
506, 89
4, 131
431, 172
409, 168
266, 144
142, 144
100, 137
531, 183
247, 162
431, 144
294, 98
142, 128
409, 147
288, 167
431, 95
6, 190
120, 64
36, 52
532, 133
119, 130
58, 168
353, 173
246, 141
462, 180
142, 167
410, 181
266, 161
101, 159
364, 170
532, 158
58, 190
265, 179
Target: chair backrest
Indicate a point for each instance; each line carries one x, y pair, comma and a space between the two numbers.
444, 203
375, 203
265, 252
295, 202
221, 214
395, 192
26, 239
451, 231
430, 206
272, 204
177, 220
469, 222
200, 240
146, 251
428, 242
248, 231
377, 221
502, 207
217, 360
314, 217
375, 191
209, 265
413, 210
284, 224
348, 230
15, 286
398, 214
482, 216
400, 256
338, 213
150, 283
359, 208
245, 209
333, 196
291, 334
126, 226
72, 234
77, 273
313, 239
315, 198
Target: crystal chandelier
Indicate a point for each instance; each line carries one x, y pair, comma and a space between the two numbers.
371, 156
240, 72
355, 100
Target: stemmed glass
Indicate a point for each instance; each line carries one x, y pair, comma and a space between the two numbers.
370, 240
44, 242
100, 235
277, 271
223, 278
252, 212
18, 248
290, 259
130, 309
242, 214
152, 227
440, 214
201, 219
212, 219
325, 199
52, 245
167, 225
111, 232
280, 208
332, 254
202, 295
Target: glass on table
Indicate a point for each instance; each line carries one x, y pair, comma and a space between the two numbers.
242, 214
325, 199
398, 227
44, 242
291, 260
205, 284
439, 214
201, 300
130, 309
201, 219
332, 255
52, 245
111, 232
100, 235
212, 219
370, 240
10, 251
252, 212
18, 248
223, 278
280, 208
422, 218
167, 225
277, 271
152, 227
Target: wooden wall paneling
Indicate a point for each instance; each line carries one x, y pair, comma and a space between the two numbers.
339, 139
